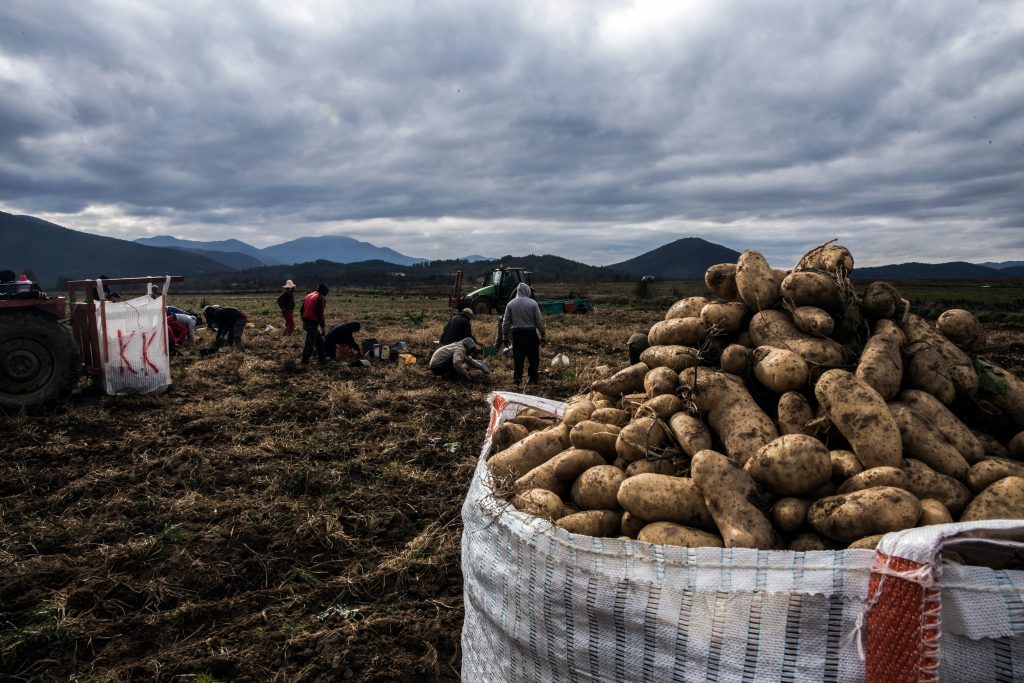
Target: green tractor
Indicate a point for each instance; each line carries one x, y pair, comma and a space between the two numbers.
499, 286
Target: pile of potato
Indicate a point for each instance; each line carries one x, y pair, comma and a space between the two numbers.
784, 412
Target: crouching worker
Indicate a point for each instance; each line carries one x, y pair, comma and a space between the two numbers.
341, 335
229, 323
453, 361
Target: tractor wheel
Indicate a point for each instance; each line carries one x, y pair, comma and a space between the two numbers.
39, 361
481, 306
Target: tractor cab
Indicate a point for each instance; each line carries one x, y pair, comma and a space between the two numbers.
497, 288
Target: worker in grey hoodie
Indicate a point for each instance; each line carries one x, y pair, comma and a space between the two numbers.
523, 326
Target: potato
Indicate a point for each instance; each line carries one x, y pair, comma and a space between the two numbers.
850, 516
655, 466
807, 542
667, 533
1011, 401
1015, 449
662, 407
844, 464
939, 418
882, 300
506, 434
788, 514
595, 436
539, 503
678, 332
673, 356
992, 447
724, 318
610, 416
862, 416
935, 364
535, 449
543, 477
934, 512
592, 522
755, 281
632, 402
790, 465
690, 433
532, 422
663, 498
721, 281
622, 382
832, 258
577, 409
733, 500
640, 437
731, 412
774, 328
597, 488
779, 370
660, 381
631, 525
924, 482
987, 472
866, 543
810, 288
876, 476
795, 414
961, 328
813, 321
571, 463
734, 359
922, 443
881, 363
1002, 500
687, 308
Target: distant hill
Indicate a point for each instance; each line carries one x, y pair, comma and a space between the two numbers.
954, 270
231, 246
473, 258
231, 260
685, 259
1013, 271
1002, 265
378, 273
54, 252
337, 248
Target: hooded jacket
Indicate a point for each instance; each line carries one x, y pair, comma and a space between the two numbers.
522, 313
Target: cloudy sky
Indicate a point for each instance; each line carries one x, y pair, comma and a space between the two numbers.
591, 129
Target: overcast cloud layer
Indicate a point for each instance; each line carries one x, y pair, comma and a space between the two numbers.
595, 130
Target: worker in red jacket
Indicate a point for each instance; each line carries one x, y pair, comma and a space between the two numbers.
314, 323
177, 334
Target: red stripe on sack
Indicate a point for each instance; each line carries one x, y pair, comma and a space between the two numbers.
903, 623
497, 406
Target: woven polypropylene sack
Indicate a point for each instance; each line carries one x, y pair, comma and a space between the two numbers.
542, 604
135, 354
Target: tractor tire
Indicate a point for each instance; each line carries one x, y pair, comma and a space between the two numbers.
482, 306
39, 361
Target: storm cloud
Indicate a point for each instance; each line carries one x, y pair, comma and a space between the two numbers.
594, 130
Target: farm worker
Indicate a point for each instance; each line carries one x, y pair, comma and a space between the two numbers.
313, 307
341, 335
636, 345
110, 294
453, 361
525, 321
189, 322
286, 302
229, 322
459, 327
177, 334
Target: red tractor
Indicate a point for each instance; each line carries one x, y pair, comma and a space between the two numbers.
43, 352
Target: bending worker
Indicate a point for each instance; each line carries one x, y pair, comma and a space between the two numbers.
341, 335
526, 323
458, 328
452, 361
229, 322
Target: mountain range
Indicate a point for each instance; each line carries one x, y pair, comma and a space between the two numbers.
55, 254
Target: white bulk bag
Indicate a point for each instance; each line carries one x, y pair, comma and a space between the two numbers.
542, 604
133, 341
